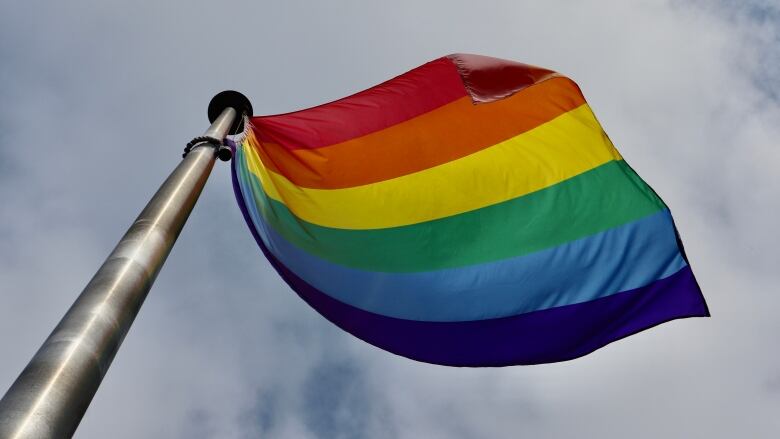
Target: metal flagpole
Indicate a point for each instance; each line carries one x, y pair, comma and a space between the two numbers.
50, 396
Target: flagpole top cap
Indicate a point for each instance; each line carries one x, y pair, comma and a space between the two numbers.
234, 99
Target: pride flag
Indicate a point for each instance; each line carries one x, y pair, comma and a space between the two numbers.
470, 212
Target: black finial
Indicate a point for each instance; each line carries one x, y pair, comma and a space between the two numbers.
230, 98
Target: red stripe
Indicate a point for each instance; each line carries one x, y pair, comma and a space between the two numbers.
404, 97
489, 79
409, 95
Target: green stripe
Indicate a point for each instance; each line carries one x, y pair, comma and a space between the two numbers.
602, 198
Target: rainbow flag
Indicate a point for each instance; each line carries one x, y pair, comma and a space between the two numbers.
469, 212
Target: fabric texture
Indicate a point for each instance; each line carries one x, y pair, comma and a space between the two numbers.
470, 212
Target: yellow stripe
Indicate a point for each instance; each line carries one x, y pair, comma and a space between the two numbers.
557, 150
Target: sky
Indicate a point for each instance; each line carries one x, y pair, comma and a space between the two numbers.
98, 98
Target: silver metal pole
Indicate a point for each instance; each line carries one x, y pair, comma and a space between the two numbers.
50, 396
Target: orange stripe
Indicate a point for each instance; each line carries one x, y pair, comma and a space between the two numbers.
448, 133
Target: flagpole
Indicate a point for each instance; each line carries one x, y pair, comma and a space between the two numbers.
50, 396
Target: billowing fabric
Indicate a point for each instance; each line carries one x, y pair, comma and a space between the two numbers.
470, 212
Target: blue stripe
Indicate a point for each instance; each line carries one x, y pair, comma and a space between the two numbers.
619, 259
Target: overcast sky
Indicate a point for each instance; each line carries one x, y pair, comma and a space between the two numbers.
97, 99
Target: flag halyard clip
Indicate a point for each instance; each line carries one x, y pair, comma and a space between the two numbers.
223, 152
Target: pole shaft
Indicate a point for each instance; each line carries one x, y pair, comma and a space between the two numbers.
50, 396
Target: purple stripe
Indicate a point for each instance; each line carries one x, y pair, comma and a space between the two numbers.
546, 336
